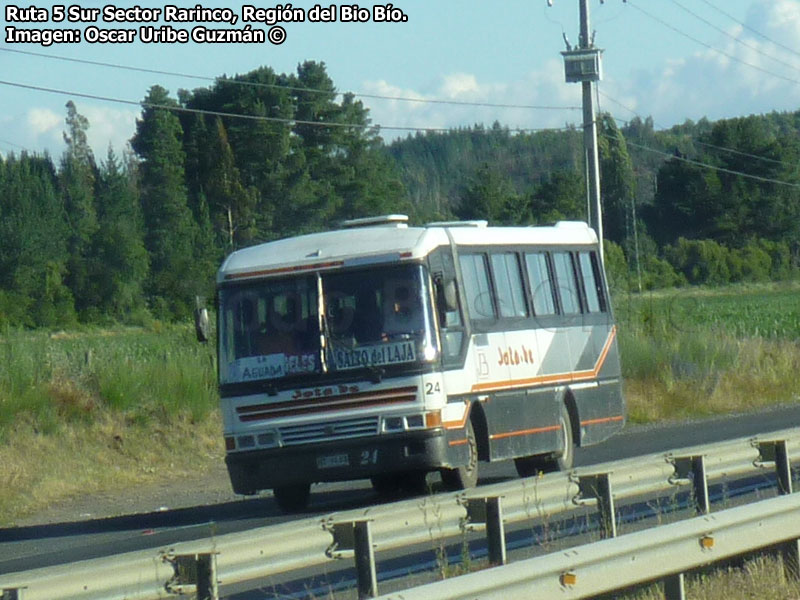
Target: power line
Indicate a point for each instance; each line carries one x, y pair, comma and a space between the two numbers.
698, 163
745, 154
710, 47
288, 87
735, 38
698, 142
184, 109
9, 143
746, 26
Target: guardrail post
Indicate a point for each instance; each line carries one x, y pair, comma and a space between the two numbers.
365, 560
776, 452
199, 570
207, 577
596, 489
356, 537
696, 467
790, 553
488, 512
674, 588
11, 594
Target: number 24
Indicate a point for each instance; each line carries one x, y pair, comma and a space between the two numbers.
432, 388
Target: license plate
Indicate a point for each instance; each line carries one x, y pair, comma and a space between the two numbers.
333, 460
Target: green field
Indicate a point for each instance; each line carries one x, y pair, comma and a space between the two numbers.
768, 312
695, 352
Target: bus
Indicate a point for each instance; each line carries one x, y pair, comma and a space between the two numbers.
386, 352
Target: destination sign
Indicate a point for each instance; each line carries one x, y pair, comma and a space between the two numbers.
374, 356
271, 366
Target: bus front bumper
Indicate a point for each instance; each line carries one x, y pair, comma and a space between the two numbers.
344, 460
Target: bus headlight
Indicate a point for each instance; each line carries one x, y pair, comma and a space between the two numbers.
413, 422
393, 424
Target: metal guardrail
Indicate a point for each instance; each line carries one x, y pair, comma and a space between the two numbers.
613, 564
262, 552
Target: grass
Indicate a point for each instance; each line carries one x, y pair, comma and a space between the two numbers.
708, 352
102, 410
760, 578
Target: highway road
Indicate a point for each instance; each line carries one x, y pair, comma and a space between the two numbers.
29, 547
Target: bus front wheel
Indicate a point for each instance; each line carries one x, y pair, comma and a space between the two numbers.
292, 498
464, 477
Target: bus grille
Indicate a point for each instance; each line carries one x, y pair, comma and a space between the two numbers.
329, 430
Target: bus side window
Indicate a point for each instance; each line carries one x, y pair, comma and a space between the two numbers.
593, 289
508, 285
541, 283
567, 283
449, 317
476, 286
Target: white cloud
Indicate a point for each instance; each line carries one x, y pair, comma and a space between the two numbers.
544, 87
459, 85
109, 126
733, 79
42, 120
41, 129
739, 77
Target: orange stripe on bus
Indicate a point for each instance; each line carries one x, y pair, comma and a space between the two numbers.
602, 420
458, 442
556, 378
458, 424
500, 436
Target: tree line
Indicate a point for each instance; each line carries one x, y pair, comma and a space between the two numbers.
138, 236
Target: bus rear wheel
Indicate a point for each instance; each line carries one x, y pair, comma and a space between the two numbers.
292, 498
529, 466
464, 477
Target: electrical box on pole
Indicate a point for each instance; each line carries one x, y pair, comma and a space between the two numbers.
582, 64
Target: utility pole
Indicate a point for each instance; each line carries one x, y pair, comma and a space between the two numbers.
582, 64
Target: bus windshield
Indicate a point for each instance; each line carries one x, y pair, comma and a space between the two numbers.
374, 318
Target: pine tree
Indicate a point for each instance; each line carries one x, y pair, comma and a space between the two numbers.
33, 245
617, 183
231, 205
489, 196
170, 230
77, 179
119, 262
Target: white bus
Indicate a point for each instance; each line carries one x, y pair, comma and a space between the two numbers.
387, 352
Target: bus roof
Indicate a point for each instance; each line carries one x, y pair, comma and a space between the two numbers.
387, 243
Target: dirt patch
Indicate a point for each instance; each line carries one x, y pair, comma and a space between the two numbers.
211, 486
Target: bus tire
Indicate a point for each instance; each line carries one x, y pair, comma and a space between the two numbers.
529, 466
464, 477
292, 498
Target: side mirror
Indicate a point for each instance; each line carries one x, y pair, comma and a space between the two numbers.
450, 295
447, 294
202, 324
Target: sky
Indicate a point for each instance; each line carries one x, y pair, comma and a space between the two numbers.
672, 60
